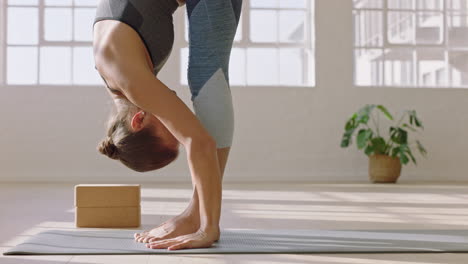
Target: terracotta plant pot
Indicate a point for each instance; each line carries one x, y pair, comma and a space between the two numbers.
384, 169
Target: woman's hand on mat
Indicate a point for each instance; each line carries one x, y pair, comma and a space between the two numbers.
199, 239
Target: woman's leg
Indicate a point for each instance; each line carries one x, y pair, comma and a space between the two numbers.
212, 27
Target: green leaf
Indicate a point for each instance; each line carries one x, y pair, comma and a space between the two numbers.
385, 111
351, 123
363, 119
362, 137
344, 142
346, 139
409, 127
402, 150
398, 135
363, 114
394, 151
403, 147
421, 149
379, 145
369, 150
418, 122
404, 136
403, 159
394, 134
414, 118
408, 151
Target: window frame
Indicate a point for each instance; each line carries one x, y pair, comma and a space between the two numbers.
245, 42
41, 6
411, 47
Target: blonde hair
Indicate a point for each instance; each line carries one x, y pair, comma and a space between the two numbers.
140, 151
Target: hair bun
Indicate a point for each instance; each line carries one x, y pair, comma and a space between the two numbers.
107, 147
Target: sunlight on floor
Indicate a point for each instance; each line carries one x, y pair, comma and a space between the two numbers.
327, 206
179, 193
359, 217
338, 260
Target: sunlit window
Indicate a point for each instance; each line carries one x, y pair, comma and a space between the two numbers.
411, 43
50, 42
274, 45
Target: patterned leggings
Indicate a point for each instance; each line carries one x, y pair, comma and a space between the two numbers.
212, 27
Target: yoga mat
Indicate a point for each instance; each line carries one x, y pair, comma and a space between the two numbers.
103, 242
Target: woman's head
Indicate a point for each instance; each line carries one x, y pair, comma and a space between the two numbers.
138, 139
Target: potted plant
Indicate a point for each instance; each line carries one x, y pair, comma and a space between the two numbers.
385, 155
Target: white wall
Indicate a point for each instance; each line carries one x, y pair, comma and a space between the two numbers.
282, 134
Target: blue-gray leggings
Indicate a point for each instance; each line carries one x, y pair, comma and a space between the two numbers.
212, 27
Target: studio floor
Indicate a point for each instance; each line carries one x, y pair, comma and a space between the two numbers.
27, 209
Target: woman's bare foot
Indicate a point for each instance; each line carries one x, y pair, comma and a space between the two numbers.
188, 222
202, 238
179, 225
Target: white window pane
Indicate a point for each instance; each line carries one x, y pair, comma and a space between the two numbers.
292, 26
441, 77
83, 66
237, 67
429, 62
430, 4
86, 2
457, 5
184, 53
368, 28
23, 2
22, 65
401, 4
263, 26
368, 67
58, 24
430, 28
368, 3
83, 23
21, 30
401, 28
55, 65
58, 2
399, 67
264, 3
311, 65
459, 68
293, 3
457, 29
262, 66
291, 68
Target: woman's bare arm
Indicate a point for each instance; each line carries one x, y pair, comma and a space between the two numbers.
121, 59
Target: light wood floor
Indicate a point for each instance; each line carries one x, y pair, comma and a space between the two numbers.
26, 209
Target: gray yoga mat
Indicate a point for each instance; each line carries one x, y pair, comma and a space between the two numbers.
103, 242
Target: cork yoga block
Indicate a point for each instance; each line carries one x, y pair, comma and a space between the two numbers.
107, 205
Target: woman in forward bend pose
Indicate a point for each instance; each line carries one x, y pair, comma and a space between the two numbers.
132, 41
